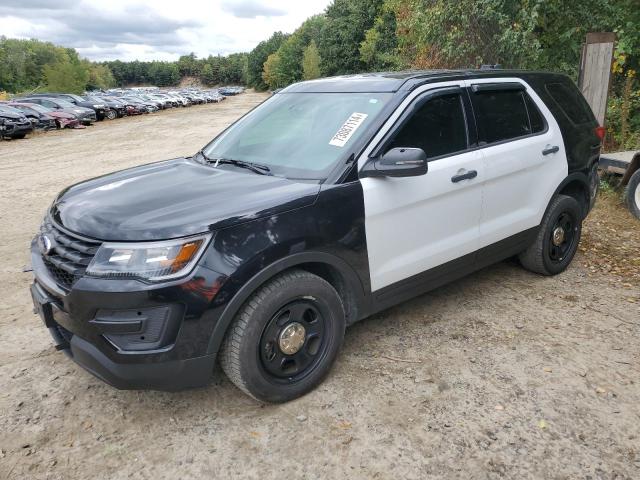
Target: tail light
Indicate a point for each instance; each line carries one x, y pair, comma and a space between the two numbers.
600, 132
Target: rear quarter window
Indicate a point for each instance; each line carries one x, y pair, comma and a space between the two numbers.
571, 102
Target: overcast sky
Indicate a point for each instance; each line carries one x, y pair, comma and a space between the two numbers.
153, 29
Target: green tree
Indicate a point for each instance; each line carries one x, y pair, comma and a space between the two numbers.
100, 76
257, 57
378, 50
271, 72
311, 62
66, 76
343, 32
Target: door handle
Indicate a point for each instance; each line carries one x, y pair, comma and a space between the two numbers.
464, 176
550, 150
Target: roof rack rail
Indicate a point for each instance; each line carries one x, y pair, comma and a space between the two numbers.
497, 66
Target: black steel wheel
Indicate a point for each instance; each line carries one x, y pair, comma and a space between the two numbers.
562, 237
293, 341
558, 237
285, 338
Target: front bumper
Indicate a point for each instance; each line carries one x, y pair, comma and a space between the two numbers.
88, 118
94, 322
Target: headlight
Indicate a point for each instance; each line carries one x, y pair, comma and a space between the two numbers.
77, 110
148, 260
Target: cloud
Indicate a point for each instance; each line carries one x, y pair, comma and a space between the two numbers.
250, 9
14, 6
153, 29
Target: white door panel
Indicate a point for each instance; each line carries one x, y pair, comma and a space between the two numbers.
417, 223
518, 179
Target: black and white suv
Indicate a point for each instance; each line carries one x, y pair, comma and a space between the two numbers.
334, 199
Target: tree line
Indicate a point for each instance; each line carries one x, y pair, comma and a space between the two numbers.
27, 65
30, 65
354, 36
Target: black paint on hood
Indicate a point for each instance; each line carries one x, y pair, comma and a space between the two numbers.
174, 198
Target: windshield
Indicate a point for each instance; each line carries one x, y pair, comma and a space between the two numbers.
62, 103
299, 135
36, 107
9, 109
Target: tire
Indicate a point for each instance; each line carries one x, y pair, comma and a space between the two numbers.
632, 194
253, 351
552, 250
18, 136
111, 114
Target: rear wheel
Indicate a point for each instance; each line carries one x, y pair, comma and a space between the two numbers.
558, 238
632, 194
285, 338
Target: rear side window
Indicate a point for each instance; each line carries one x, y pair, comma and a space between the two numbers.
571, 102
438, 127
501, 115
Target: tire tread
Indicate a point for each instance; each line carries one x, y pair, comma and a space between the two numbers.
230, 356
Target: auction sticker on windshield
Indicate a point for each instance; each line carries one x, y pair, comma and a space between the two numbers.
347, 129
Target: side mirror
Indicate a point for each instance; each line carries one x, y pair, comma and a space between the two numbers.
398, 162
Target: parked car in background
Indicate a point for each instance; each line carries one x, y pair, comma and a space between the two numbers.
99, 108
141, 104
86, 115
112, 109
130, 109
14, 123
40, 116
184, 101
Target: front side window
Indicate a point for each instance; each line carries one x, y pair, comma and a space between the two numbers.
438, 127
300, 135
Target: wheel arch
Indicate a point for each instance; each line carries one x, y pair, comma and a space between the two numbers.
327, 266
576, 185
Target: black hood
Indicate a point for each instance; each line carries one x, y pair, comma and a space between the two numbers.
174, 198
11, 115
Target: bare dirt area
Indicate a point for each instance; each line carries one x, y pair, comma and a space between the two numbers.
503, 374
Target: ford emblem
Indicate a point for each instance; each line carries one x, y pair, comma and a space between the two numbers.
45, 244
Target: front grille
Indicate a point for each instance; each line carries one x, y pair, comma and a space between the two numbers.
69, 256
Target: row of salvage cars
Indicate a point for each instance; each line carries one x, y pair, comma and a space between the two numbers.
50, 111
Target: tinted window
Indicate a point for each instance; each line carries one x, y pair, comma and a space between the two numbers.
438, 127
571, 102
501, 115
535, 117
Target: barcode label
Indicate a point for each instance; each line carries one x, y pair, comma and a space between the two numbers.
347, 129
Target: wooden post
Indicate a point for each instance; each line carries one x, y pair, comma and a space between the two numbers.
595, 71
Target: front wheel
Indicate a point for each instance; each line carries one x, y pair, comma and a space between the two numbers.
285, 338
557, 240
632, 194
111, 114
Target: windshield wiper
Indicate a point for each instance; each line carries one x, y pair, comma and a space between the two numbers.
254, 167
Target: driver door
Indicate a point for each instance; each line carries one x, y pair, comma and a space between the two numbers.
423, 228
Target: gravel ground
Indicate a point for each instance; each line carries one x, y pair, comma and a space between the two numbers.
503, 374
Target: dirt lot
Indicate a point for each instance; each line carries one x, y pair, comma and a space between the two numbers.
504, 374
